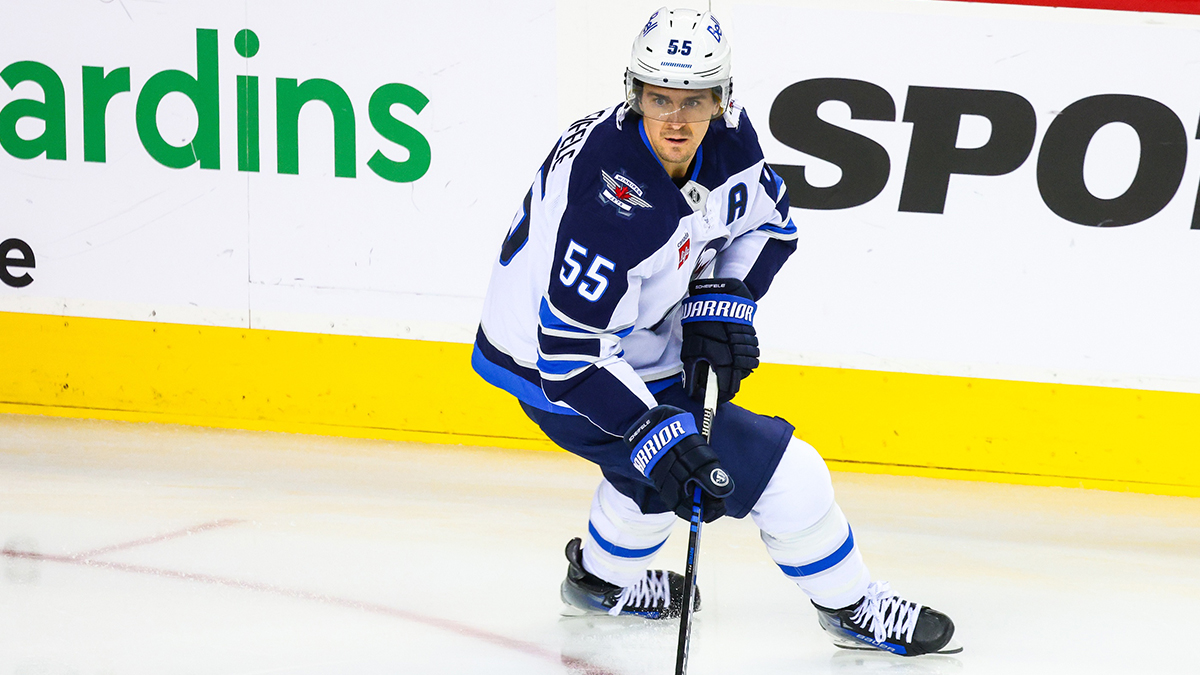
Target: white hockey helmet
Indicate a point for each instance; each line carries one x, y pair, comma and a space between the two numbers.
681, 49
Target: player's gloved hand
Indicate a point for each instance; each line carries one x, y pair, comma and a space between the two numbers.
718, 330
669, 451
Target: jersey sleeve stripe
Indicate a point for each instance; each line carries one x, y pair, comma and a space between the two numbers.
550, 344
785, 231
553, 319
501, 371
561, 370
614, 338
609, 402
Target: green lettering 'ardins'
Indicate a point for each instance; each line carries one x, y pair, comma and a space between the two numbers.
100, 87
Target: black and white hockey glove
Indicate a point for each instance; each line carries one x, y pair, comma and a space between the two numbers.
718, 329
669, 451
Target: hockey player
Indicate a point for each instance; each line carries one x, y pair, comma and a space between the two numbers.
634, 263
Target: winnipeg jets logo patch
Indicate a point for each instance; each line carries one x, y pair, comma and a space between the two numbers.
622, 193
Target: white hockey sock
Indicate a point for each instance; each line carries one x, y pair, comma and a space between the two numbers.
622, 541
806, 533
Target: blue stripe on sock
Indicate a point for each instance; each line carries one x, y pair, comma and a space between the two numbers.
824, 563
619, 551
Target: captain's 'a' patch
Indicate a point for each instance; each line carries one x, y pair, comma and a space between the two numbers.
622, 193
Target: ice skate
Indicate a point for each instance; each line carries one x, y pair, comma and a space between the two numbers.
657, 596
883, 620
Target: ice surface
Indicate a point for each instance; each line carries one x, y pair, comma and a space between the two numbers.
137, 548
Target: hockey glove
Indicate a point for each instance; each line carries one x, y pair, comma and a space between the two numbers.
718, 329
669, 451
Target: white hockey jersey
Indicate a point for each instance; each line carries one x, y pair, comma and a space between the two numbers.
582, 310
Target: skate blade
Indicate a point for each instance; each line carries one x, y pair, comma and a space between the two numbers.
570, 611
952, 647
595, 626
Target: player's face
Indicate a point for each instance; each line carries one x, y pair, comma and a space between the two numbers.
676, 121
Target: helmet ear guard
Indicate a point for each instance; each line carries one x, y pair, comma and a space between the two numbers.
680, 49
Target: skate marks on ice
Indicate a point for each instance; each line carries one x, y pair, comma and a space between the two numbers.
626, 645
404, 527
588, 645
23, 564
293, 532
632, 645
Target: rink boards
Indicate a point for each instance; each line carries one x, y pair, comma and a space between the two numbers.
283, 216
869, 421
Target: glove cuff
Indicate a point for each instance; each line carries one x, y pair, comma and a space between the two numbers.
726, 286
655, 433
719, 307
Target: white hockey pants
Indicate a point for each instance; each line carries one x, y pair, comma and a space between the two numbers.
801, 525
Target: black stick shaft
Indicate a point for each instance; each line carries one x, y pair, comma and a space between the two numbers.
689, 579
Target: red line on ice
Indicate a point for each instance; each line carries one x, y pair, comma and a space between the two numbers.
155, 539
374, 608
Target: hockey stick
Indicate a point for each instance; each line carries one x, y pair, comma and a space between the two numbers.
689, 579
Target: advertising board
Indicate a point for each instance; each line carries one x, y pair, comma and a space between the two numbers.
279, 165
226, 212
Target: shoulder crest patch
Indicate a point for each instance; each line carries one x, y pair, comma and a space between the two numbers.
623, 193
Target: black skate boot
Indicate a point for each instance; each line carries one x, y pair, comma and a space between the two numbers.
658, 596
884, 620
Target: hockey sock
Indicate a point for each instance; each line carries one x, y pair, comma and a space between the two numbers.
622, 541
806, 533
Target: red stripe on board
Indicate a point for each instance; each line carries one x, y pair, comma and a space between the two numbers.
461, 629
1164, 6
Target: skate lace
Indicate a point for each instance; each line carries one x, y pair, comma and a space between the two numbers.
653, 590
886, 613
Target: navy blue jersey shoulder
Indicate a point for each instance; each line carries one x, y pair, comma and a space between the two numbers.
728, 151
618, 183
621, 208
